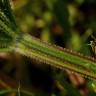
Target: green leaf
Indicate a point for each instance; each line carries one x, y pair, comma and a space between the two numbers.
62, 15
8, 27
5, 9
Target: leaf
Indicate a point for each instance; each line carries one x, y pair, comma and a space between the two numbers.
61, 12
5, 9
8, 27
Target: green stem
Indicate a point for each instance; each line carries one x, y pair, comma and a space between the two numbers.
55, 56
14, 90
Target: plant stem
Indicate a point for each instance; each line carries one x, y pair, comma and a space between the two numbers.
15, 90
56, 56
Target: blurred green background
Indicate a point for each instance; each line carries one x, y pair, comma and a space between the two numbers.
66, 23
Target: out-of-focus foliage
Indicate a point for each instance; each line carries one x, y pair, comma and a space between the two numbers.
66, 23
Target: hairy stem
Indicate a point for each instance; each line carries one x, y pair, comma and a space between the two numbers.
56, 56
